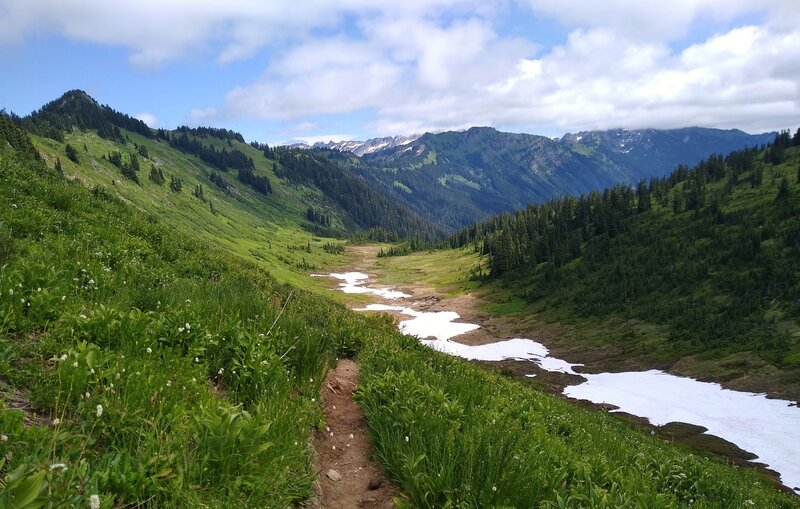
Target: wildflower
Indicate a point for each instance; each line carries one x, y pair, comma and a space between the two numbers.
11, 291
88, 395
311, 380
91, 371
221, 371
59, 466
180, 329
407, 439
94, 502
169, 383
4, 438
39, 289
63, 298
63, 357
187, 326
91, 281
351, 436
56, 421
194, 379
149, 350
75, 364
313, 400
13, 205
117, 376
82, 316
196, 360
494, 488
99, 410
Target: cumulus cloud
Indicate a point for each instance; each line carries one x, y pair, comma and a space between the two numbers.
436, 64
148, 118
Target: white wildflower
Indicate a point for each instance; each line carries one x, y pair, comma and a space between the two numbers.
94, 502
407, 438
196, 360
39, 289
194, 379
221, 371
91, 371
187, 326
494, 488
351, 436
99, 410
4, 438
75, 364
169, 383
13, 205
82, 316
180, 329
58, 466
56, 421
63, 298
63, 357
149, 350
88, 394
11, 291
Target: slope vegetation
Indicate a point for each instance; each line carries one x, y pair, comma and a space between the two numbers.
709, 254
457, 178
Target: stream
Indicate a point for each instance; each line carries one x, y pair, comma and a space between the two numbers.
768, 428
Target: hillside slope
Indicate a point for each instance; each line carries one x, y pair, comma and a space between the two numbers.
707, 255
457, 178
141, 367
231, 193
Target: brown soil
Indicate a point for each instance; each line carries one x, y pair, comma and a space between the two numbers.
347, 476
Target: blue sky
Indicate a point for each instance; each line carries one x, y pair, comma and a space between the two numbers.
317, 70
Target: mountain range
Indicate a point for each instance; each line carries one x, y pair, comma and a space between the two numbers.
457, 178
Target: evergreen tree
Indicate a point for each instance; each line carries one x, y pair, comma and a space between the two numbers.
156, 175
71, 153
175, 184
783, 192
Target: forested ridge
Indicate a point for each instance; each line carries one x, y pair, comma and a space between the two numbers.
385, 218
712, 252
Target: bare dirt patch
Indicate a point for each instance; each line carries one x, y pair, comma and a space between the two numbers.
347, 476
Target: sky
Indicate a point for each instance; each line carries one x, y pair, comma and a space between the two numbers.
317, 70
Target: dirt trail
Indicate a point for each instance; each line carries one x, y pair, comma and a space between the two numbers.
347, 476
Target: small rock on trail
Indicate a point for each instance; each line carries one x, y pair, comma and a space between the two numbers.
351, 478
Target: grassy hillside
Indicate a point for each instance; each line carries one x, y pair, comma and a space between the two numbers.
701, 263
142, 367
146, 367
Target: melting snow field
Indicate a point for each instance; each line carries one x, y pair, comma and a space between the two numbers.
768, 428
354, 283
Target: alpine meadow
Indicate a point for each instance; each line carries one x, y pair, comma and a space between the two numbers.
427, 255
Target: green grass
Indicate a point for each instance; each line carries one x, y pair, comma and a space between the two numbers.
456, 435
269, 230
147, 367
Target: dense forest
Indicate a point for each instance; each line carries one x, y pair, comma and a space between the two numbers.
380, 215
76, 109
710, 251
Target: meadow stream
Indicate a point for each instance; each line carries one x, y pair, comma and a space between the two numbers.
768, 428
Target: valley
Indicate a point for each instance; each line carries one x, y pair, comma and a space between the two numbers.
170, 336
674, 408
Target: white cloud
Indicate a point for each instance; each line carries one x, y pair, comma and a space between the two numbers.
437, 64
149, 119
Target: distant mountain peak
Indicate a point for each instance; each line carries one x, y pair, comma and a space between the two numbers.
359, 147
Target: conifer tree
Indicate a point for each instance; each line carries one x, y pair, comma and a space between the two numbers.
71, 153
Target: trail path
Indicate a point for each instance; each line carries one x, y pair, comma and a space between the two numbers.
347, 476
